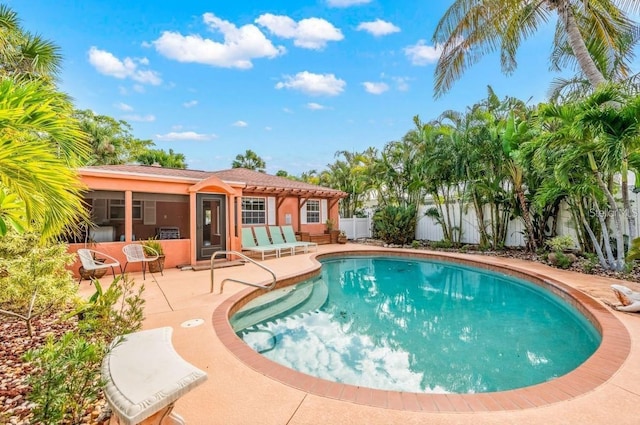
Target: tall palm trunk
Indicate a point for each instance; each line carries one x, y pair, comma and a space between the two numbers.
587, 65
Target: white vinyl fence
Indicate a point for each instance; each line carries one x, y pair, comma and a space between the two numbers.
428, 229
356, 228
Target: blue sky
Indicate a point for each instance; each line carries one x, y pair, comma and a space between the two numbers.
295, 81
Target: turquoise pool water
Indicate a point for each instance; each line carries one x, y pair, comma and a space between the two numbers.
418, 326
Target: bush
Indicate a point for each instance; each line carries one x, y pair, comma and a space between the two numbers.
66, 374
561, 243
395, 225
65, 380
117, 311
33, 277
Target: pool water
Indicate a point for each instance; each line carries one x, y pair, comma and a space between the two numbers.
418, 326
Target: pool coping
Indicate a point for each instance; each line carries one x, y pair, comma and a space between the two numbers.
595, 371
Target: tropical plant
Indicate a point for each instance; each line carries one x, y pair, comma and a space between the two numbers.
249, 160
471, 29
112, 142
25, 56
162, 158
65, 380
40, 144
33, 277
152, 247
395, 224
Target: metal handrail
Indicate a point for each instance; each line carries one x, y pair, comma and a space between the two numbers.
241, 255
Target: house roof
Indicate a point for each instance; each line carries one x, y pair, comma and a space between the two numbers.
254, 181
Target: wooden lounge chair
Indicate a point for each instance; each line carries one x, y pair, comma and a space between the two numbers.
277, 239
262, 237
94, 260
290, 237
249, 244
135, 254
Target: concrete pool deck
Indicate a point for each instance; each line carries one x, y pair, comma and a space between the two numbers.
606, 392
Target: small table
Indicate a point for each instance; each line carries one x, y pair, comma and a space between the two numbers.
145, 376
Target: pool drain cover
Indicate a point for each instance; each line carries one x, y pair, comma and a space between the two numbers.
192, 323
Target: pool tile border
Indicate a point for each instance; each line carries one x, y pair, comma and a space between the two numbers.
596, 370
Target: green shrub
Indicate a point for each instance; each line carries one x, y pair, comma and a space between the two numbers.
590, 264
562, 261
394, 224
561, 243
66, 374
415, 244
33, 277
444, 244
65, 380
117, 311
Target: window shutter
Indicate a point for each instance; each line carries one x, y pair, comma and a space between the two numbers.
303, 214
149, 214
323, 211
271, 211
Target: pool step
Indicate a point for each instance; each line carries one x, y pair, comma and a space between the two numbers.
306, 296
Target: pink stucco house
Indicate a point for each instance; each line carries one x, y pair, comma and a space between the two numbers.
195, 213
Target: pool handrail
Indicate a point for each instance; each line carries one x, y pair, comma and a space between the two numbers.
268, 287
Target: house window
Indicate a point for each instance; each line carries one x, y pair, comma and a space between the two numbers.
313, 211
116, 209
254, 211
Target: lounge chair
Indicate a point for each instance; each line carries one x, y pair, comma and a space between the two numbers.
276, 237
135, 253
249, 244
263, 240
94, 260
290, 237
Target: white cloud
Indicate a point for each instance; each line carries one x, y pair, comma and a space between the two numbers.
422, 54
378, 27
106, 63
140, 118
240, 123
315, 106
313, 84
239, 47
402, 83
287, 110
267, 128
346, 3
190, 104
185, 135
138, 88
311, 33
124, 107
375, 88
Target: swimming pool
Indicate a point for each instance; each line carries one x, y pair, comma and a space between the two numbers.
418, 325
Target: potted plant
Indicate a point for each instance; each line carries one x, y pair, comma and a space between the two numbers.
153, 247
342, 237
329, 224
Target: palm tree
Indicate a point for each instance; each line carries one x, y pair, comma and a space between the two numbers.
40, 145
470, 29
249, 160
111, 140
162, 158
25, 56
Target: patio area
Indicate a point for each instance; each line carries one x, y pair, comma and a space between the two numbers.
235, 393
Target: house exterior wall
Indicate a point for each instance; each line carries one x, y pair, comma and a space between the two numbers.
184, 251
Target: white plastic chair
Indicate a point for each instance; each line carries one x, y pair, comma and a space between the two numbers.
135, 254
94, 260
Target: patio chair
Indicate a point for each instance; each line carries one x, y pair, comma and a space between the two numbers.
94, 260
135, 253
277, 239
262, 237
290, 237
249, 244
